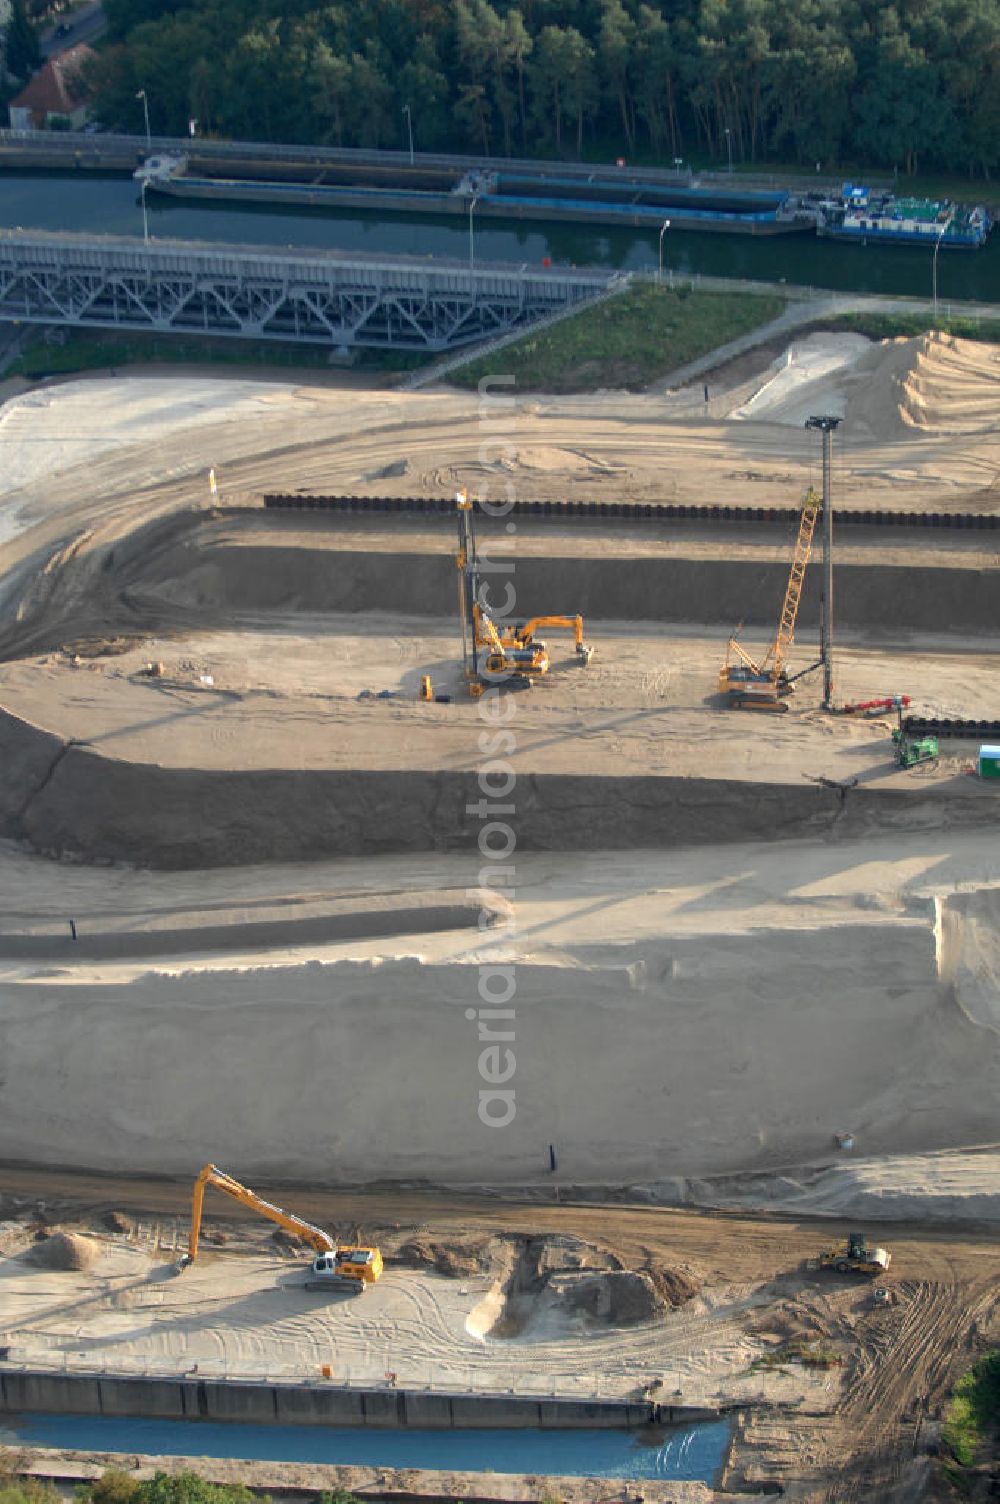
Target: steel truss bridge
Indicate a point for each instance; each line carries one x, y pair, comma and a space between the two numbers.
324, 298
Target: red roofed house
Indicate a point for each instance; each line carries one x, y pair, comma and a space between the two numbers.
57, 93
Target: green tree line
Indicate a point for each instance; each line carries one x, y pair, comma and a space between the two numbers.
910, 86
115, 1486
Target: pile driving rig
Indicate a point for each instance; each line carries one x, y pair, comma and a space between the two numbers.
492, 655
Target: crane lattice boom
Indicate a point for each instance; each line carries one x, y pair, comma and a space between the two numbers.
793, 593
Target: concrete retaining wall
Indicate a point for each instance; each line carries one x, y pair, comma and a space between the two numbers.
319, 1404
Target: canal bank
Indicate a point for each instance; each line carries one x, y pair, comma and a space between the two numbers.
319, 1403
66, 1469
318, 1425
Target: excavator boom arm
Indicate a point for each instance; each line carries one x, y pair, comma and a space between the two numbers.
572, 624
212, 1175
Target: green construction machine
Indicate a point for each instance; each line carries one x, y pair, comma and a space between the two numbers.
910, 749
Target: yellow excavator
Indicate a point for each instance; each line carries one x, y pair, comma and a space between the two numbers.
523, 634
346, 1265
749, 685
510, 656
503, 660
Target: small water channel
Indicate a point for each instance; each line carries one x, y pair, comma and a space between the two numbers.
689, 1453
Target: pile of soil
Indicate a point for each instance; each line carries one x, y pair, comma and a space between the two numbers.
566, 1277
63, 1250
620, 1297
461, 1259
675, 1286
556, 1252
287, 1240
951, 386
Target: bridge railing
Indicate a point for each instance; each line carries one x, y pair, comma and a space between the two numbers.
327, 298
57, 248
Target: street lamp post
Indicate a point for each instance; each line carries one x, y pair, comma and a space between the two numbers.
472, 247
729, 147
937, 247
145, 110
409, 128
145, 216
826, 426
663, 230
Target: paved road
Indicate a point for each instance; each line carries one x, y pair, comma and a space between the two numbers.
83, 26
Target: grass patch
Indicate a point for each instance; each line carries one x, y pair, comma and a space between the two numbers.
973, 1414
627, 341
26, 1491
892, 325
115, 1486
16, 1488
93, 350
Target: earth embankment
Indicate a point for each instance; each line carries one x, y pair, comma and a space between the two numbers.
192, 570
89, 806
724, 1057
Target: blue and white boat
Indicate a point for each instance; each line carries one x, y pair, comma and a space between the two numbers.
861, 215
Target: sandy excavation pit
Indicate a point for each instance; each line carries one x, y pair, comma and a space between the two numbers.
249, 743
149, 696
252, 741
193, 572
634, 749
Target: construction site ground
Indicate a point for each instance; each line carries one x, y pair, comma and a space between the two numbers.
834, 1433
648, 702
245, 917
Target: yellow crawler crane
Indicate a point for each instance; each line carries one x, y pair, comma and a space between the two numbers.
349, 1266
750, 685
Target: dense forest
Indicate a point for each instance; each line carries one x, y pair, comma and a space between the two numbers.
912, 86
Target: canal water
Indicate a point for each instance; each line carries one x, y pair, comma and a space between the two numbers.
110, 205
693, 1453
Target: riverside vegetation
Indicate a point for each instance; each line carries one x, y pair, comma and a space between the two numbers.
115, 1486
909, 87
